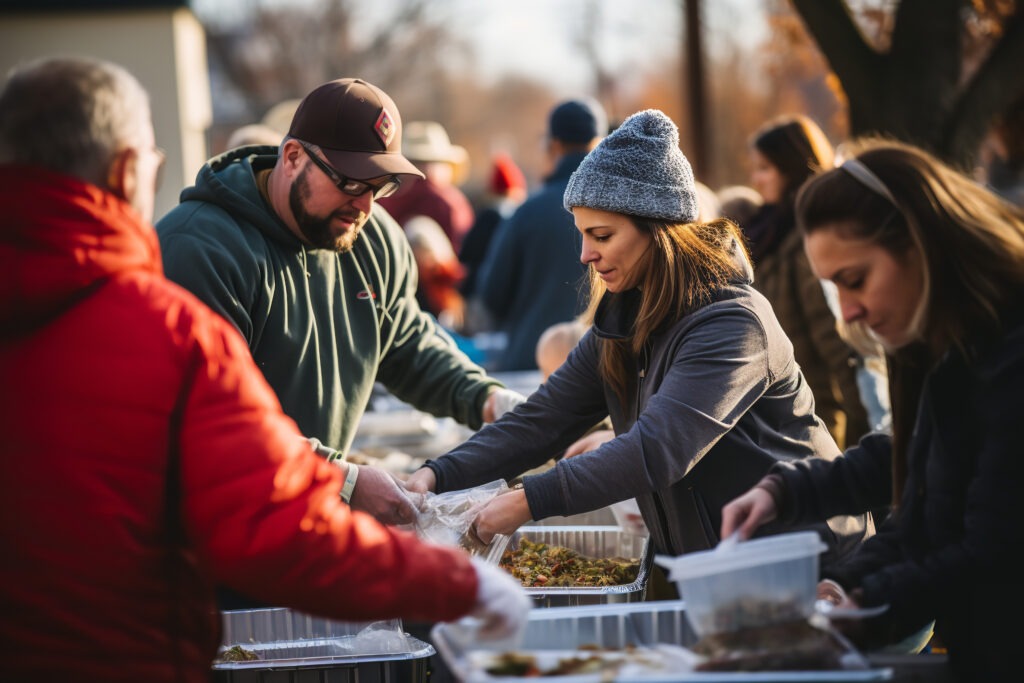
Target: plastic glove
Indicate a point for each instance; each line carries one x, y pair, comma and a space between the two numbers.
382, 495
499, 402
501, 603
321, 449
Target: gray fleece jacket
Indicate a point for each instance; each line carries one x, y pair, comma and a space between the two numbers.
716, 399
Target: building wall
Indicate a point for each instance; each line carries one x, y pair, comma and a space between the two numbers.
165, 48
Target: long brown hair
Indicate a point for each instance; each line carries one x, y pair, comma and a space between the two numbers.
970, 242
680, 271
797, 146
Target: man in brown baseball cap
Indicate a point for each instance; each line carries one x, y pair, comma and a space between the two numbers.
289, 244
356, 126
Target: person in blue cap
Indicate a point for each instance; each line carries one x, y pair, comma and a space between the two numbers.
530, 278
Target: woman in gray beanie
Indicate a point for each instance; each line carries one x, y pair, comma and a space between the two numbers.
683, 354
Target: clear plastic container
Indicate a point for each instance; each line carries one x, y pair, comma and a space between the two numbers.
750, 584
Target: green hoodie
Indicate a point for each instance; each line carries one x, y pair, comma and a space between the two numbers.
322, 326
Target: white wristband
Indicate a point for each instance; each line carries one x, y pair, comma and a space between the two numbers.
350, 482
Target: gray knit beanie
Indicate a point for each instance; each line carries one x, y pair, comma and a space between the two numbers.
637, 170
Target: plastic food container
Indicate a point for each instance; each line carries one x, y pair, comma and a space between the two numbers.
553, 633
753, 583
292, 647
597, 542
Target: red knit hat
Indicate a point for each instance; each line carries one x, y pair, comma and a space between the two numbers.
506, 176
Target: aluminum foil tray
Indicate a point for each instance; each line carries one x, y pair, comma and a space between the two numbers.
286, 640
592, 541
615, 627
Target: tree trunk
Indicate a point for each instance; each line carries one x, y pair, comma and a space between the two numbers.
912, 92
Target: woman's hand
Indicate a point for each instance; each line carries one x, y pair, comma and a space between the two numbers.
421, 481
831, 592
590, 442
746, 513
502, 515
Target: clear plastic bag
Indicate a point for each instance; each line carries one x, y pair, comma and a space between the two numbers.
447, 519
380, 637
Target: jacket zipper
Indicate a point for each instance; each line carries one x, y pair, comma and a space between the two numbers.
655, 496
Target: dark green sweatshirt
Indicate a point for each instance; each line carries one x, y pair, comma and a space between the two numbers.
322, 326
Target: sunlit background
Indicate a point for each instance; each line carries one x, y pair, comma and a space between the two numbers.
490, 71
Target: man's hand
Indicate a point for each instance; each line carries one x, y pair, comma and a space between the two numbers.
421, 481
499, 402
502, 515
382, 495
590, 442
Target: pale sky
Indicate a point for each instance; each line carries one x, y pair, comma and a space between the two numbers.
536, 37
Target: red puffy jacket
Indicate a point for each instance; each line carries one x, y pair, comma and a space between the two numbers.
146, 460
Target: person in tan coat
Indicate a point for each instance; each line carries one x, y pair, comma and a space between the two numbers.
784, 153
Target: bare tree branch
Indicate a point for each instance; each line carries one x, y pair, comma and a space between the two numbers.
857, 65
995, 86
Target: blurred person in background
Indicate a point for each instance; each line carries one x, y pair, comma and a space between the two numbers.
531, 277
253, 134
1002, 155
289, 245
739, 203
683, 354
932, 264
439, 272
145, 457
556, 343
435, 193
784, 153
708, 206
506, 190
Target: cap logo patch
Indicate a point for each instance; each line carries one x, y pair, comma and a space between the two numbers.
385, 127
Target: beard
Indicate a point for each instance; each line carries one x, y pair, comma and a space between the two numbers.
317, 229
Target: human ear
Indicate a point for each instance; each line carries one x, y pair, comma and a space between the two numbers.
291, 155
123, 174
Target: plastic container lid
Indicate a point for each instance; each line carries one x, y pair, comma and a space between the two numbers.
758, 552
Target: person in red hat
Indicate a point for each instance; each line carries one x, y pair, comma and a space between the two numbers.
289, 244
145, 457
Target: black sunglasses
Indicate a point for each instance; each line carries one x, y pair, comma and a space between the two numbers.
354, 188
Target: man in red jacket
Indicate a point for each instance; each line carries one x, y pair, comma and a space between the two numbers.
145, 458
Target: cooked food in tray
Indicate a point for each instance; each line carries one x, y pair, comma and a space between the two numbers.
543, 565
237, 653
631, 660
796, 645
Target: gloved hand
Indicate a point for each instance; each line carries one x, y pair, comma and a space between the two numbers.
321, 449
501, 603
499, 402
382, 495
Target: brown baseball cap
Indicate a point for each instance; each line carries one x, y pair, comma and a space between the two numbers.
357, 126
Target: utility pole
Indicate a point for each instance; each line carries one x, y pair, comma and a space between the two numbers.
696, 97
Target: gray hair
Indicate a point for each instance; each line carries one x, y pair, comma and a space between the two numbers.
71, 115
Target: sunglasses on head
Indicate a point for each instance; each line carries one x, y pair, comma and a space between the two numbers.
354, 188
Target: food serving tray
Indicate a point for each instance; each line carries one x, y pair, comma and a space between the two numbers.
286, 640
553, 632
597, 542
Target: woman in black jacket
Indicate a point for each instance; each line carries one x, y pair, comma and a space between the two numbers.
933, 264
